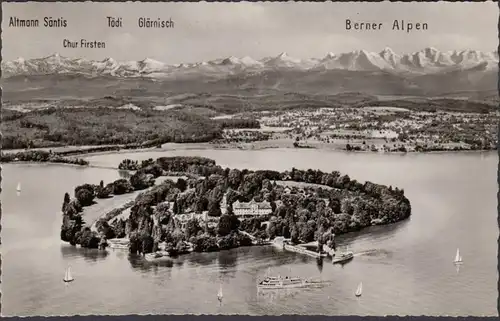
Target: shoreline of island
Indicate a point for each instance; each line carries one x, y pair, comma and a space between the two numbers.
210, 208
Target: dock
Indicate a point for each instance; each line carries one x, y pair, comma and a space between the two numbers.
121, 244
282, 243
302, 250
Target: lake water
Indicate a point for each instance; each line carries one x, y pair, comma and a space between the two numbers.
406, 268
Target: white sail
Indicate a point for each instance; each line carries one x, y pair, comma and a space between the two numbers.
67, 276
18, 187
219, 295
458, 257
359, 290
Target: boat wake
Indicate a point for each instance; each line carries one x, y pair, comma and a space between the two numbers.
379, 253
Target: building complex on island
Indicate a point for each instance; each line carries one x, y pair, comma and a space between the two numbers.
241, 209
247, 210
203, 218
251, 209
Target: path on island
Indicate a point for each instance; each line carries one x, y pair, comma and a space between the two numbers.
93, 213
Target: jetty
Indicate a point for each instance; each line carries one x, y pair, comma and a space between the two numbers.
302, 250
121, 244
283, 243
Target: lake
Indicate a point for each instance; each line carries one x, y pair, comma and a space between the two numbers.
406, 268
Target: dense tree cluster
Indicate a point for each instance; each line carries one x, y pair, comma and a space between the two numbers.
242, 136
104, 126
227, 123
74, 229
41, 156
323, 205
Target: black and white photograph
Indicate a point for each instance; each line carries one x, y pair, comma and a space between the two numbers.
265, 158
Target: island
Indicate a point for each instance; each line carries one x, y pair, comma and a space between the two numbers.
201, 206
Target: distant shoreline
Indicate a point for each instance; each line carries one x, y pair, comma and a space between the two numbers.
75, 151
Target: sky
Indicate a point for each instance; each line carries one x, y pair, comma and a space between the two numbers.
204, 31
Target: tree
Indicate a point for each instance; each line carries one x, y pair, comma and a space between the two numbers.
140, 181
105, 229
102, 192
205, 243
201, 204
192, 228
147, 243
85, 196
214, 209
334, 204
175, 207
66, 201
234, 178
88, 239
227, 223
181, 184
294, 235
271, 230
134, 243
121, 186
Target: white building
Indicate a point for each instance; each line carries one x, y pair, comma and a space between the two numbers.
182, 219
223, 204
251, 209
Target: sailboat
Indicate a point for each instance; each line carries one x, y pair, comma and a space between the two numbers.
67, 275
219, 294
18, 187
359, 290
458, 257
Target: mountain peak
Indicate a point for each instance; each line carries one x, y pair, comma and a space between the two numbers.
149, 60
231, 60
54, 55
430, 52
330, 55
387, 50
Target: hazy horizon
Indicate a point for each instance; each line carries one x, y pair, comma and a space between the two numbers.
207, 31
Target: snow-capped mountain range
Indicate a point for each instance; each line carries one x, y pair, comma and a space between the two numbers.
426, 61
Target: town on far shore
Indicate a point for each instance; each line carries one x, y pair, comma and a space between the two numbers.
371, 129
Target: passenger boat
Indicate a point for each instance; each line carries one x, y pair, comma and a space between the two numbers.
279, 282
342, 257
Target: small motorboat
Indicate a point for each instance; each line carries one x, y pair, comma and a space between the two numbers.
342, 257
